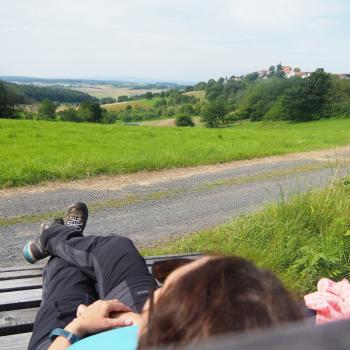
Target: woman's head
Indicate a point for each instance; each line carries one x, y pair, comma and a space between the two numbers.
216, 295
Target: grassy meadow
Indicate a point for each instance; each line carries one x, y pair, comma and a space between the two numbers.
302, 239
37, 151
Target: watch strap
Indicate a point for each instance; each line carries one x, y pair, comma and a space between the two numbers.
72, 338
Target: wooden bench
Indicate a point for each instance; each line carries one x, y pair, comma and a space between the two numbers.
20, 297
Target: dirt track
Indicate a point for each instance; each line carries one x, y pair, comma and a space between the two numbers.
149, 206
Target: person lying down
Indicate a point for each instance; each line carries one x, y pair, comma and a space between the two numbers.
98, 293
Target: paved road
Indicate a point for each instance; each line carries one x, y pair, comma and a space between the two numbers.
172, 205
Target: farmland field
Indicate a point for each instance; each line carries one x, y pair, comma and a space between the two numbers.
122, 105
101, 91
37, 151
200, 94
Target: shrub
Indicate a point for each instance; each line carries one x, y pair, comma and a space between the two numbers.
213, 114
184, 120
70, 115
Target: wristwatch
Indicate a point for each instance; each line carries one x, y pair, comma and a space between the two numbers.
72, 338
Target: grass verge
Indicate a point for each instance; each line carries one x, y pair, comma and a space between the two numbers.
301, 239
38, 151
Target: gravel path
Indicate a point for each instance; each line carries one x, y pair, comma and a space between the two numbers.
148, 207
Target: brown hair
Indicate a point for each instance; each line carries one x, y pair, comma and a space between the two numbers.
224, 294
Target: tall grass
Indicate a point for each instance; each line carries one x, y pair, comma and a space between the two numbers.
301, 239
36, 151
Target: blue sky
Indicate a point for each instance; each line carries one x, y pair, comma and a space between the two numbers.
178, 40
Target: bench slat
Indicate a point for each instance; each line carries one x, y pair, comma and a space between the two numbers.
20, 284
20, 299
17, 321
21, 268
10, 275
15, 342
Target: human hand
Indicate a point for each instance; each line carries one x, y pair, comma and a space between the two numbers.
96, 317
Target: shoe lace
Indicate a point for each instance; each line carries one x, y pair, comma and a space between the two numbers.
76, 222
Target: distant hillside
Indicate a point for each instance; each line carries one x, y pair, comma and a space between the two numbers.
134, 85
27, 94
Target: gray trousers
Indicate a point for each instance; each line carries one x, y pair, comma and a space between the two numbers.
82, 270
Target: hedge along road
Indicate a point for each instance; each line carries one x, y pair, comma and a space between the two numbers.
150, 207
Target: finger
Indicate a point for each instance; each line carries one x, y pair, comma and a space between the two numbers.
81, 309
115, 305
113, 323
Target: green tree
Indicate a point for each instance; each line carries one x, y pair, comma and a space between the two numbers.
251, 77
187, 108
4, 103
47, 110
9, 98
123, 98
184, 120
106, 100
91, 112
70, 115
148, 95
338, 99
213, 114
279, 73
170, 111
272, 71
260, 97
200, 86
307, 100
161, 102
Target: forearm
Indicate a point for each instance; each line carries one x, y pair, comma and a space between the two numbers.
98, 317
61, 343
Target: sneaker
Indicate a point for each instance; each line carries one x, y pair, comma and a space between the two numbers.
33, 251
76, 216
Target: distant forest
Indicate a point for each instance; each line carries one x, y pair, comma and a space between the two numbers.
26, 94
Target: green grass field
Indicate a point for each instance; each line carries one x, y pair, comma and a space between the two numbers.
37, 151
301, 239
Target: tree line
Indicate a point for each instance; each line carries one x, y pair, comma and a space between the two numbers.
172, 104
12, 95
252, 97
274, 97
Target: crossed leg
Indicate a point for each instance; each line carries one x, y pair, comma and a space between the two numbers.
83, 269
65, 287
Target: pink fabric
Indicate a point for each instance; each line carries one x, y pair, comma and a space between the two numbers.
331, 301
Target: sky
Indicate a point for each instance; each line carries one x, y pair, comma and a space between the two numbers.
171, 40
